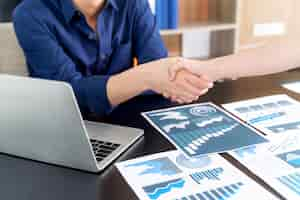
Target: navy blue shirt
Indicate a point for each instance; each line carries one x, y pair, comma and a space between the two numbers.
59, 44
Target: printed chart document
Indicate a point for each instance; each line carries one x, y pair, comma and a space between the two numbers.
294, 86
171, 176
272, 115
202, 129
277, 163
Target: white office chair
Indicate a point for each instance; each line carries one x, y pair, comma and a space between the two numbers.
12, 60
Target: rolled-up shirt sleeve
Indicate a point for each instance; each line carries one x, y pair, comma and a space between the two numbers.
47, 59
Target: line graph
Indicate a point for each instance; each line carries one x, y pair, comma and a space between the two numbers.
156, 191
292, 158
156, 167
170, 115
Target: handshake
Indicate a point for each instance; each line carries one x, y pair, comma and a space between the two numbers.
177, 79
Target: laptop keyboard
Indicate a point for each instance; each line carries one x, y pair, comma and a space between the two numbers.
103, 149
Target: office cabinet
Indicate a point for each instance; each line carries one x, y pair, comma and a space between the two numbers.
218, 18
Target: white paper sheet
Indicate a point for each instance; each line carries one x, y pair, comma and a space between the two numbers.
294, 87
277, 162
202, 129
170, 176
275, 115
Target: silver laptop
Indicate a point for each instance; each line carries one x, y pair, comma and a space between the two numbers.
40, 120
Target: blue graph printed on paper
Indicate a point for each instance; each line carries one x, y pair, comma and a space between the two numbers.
202, 111
206, 130
284, 103
285, 127
156, 191
161, 166
268, 117
197, 163
211, 174
179, 125
256, 107
292, 158
265, 106
221, 193
170, 115
291, 181
243, 153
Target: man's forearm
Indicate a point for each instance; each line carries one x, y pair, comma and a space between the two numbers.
124, 86
272, 58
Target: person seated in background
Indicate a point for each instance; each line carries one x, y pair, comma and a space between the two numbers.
91, 44
270, 58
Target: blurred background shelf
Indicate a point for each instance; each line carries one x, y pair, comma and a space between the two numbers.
206, 29
203, 26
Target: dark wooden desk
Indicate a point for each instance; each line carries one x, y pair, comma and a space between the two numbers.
29, 180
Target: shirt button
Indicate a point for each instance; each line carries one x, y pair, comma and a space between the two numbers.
92, 36
103, 56
78, 13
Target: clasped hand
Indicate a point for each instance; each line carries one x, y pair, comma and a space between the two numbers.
170, 78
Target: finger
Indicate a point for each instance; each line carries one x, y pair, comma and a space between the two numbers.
175, 99
180, 101
186, 97
174, 69
206, 78
201, 82
166, 95
189, 90
187, 101
204, 92
178, 91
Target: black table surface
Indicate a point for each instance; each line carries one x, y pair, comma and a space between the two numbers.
30, 180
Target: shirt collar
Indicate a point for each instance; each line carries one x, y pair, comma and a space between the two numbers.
69, 10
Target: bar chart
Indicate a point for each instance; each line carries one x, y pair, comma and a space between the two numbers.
211, 174
291, 181
221, 193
